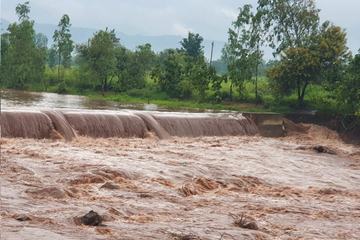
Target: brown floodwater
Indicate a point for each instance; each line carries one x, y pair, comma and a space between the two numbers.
14, 98
179, 187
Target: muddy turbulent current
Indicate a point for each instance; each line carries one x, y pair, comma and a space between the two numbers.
180, 187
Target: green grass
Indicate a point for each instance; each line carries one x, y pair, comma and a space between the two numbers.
172, 103
75, 82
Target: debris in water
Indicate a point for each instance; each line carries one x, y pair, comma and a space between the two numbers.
22, 218
91, 218
322, 149
243, 222
110, 186
145, 195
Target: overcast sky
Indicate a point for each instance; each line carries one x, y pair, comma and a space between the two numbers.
210, 18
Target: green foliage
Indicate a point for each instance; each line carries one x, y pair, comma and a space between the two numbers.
309, 53
290, 23
23, 10
216, 81
132, 67
52, 59
299, 67
348, 89
242, 53
63, 45
220, 66
99, 56
171, 78
314, 69
23, 60
62, 88
334, 54
199, 77
192, 46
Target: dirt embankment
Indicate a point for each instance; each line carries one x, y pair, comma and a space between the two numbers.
346, 126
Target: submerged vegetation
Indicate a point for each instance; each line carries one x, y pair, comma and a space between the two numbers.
313, 68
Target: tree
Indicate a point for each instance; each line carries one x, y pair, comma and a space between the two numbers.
298, 68
348, 89
41, 42
256, 41
99, 56
199, 77
63, 44
133, 66
306, 49
242, 52
192, 46
24, 61
5, 45
171, 77
52, 57
290, 23
334, 53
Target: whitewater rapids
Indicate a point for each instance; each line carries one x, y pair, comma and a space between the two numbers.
181, 187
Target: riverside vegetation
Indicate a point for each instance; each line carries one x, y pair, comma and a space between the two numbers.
313, 68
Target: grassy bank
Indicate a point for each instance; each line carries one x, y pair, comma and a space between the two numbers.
74, 82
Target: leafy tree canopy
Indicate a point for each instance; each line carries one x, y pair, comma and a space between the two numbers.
192, 45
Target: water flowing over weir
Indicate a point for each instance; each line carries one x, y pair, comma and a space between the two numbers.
69, 123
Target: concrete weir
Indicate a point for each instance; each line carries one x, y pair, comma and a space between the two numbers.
70, 123
269, 124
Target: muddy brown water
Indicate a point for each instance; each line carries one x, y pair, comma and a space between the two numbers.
181, 186
14, 98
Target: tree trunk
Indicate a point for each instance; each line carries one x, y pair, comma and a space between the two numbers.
106, 85
256, 84
301, 102
256, 74
231, 91
59, 66
299, 94
46, 86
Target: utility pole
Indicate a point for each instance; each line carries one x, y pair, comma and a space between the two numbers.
212, 48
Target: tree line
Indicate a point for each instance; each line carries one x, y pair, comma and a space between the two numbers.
306, 53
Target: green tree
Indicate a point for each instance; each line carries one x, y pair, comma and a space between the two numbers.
199, 77
132, 67
307, 50
24, 61
192, 46
298, 68
52, 57
242, 52
334, 53
348, 89
63, 45
171, 77
290, 23
99, 56
256, 41
41, 42
5, 45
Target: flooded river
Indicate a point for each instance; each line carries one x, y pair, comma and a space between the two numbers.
181, 187
13, 98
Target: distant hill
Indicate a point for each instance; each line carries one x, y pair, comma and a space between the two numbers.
158, 43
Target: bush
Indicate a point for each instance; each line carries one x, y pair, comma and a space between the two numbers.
62, 89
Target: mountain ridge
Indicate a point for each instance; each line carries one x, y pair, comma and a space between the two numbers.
158, 43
